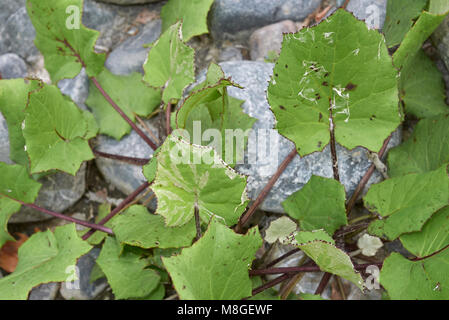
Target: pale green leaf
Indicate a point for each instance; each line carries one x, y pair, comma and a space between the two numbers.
421, 87
193, 14
420, 280
66, 44
126, 271
407, 202
280, 229
337, 68
190, 176
130, 94
434, 235
56, 132
401, 15
137, 227
327, 256
13, 100
426, 150
44, 257
170, 64
307, 205
16, 184
216, 266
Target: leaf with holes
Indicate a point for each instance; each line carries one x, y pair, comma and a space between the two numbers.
45, 257
126, 271
137, 227
130, 94
190, 176
15, 183
193, 15
56, 132
407, 202
411, 280
421, 87
280, 229
13, 101
215, 267
170, 64
337, 75
426, 150
67, 45
306, 205
320, 247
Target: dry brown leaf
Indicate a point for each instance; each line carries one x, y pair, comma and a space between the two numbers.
8, 253
146, 16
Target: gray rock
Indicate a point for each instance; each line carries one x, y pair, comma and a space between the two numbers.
130, 55
129, 2
125, 177
441, 38
372, 11
83, 289
8, 7
269, 38
230, 16
230, 54
77, 88
46, 291
12, 66
254, 77
59, 190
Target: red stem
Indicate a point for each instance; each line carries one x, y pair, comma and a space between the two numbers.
167, 119
130, 160
122, 205
284, 256
272, 283
244, 219
62, 216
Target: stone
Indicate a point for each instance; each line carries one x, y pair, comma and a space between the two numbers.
129, 2
372, 11
59, 190
46, 291
83, 289
441, 39
12, 66
228, 17
130, 55
230, 54
269, 38
77, 88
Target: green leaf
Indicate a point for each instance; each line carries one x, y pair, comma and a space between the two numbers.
216, 266
307, 205
126, 271
320, 247
401, 14
337, 68
280, 229
137, 227
407, 202
56, 132
426, 150
130, 94
407, 280
66, 44
421, 87
421, 30
170, 64
156, 294
210, 107
434, 235
15, 183
44, 257
13, 100
190, 176
309, 296
193, 15
149, 170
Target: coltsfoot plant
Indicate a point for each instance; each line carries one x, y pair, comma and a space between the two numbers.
334, 83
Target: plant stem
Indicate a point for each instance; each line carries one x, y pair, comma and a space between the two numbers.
62, 216
271, 283
323, 283
122, 114
333, 146
123, 204
130, 160
244, 219
197, 224
432, 254
167, 119
284, 256
365, 178
345, 4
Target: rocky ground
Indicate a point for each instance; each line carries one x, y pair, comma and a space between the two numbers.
244, 37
